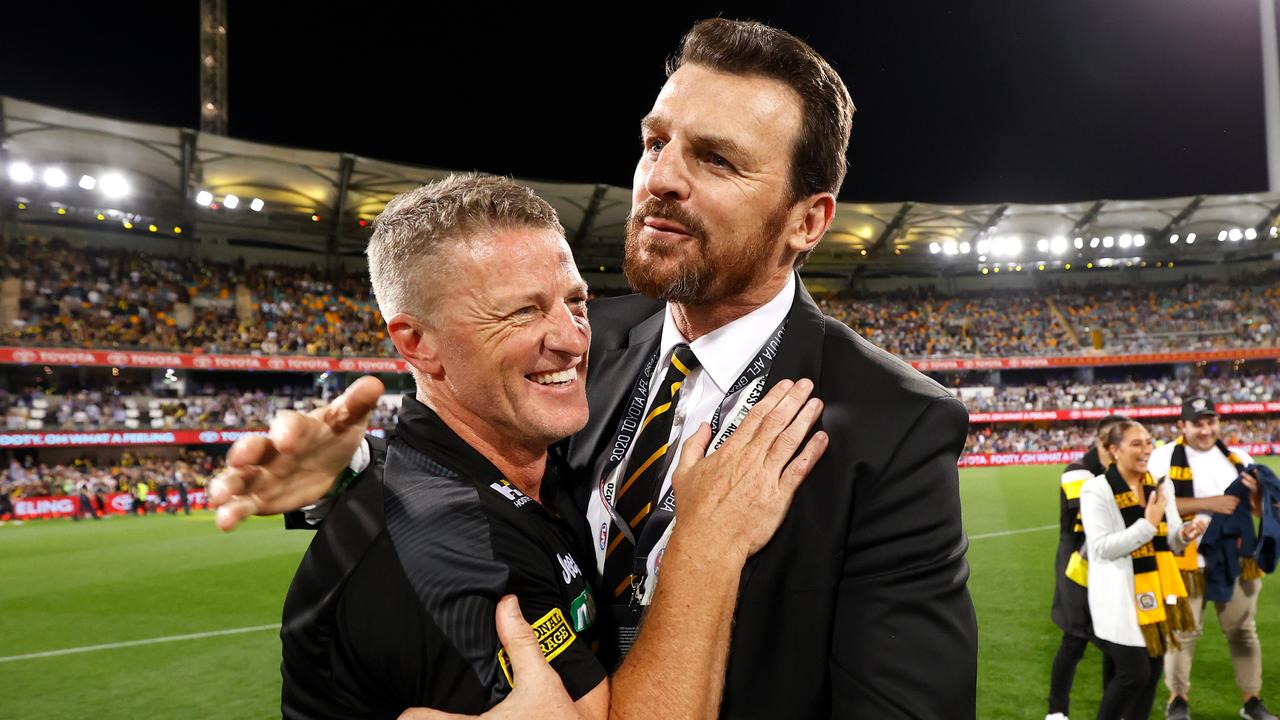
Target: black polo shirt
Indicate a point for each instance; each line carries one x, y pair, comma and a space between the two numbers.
393, 604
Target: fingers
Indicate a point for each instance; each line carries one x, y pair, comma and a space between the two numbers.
784, 447
230, 482
798, 469
250, 450
693, 450
767, 403
517, 637
234, 511
353, 406
293, 434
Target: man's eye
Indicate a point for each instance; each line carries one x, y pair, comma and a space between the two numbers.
718, 161
654, 146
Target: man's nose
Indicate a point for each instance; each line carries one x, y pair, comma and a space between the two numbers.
569, 334
668, 176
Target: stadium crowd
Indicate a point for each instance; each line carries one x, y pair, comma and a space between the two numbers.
108, 410
1191, 316
128, 299
1072, 395
1016, 437
192, 468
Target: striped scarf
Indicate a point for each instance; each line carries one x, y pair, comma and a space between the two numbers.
1158, 592
1180, 474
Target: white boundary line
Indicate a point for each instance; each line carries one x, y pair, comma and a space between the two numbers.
259, 628
991, 535
134, 643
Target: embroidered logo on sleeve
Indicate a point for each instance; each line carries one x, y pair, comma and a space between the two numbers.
553, 634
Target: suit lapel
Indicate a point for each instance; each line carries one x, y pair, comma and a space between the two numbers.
612, 375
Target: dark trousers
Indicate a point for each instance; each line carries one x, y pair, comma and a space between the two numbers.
1064, 672
1132, 691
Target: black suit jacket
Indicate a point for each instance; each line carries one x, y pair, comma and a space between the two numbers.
858, 606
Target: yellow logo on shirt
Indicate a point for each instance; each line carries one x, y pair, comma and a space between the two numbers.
553, 634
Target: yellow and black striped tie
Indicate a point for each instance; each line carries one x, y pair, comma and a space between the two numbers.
645, 470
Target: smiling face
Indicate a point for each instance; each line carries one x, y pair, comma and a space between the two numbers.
1133, 451
1203, 432
710, 199
512, 338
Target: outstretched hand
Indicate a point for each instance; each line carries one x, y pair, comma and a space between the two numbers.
297, 461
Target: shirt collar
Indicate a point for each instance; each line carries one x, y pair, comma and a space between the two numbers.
426, 432
422, 428
725, 351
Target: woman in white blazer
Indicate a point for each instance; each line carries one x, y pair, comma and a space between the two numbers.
1110, 542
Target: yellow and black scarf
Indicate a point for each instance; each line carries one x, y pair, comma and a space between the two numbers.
1180, 474
1158, 592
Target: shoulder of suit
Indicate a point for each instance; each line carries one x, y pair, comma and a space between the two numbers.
621, 312
852, 361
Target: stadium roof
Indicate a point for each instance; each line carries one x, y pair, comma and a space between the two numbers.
324, 201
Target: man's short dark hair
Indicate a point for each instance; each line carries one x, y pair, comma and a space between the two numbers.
818, 160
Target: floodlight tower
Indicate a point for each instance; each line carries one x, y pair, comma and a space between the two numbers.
213, 66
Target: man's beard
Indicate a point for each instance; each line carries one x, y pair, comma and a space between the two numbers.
720, 267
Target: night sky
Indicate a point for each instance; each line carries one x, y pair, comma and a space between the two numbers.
997, 100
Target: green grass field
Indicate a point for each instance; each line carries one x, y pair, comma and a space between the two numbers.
69, 585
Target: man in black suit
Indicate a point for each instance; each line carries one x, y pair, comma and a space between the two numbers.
858, 607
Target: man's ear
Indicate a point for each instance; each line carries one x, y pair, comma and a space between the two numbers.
814, 217
417, 342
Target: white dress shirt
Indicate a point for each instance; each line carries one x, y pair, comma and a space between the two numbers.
723, 355
1111, 591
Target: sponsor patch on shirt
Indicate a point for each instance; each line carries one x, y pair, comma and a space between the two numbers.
553, 634
510, 492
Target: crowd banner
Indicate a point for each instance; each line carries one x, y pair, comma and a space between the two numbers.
116, 438
1063, 457
118, 503
196, 361
307, 363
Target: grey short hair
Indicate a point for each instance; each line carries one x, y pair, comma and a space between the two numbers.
417, 225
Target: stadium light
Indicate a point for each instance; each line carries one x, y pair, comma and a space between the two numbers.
21, 172
1042, 245
1275, 231
1094, 242
1235, 235
127, 225
934, 248
256, 205
1108, 241
949, 247
1126, 240
1173, 239
114, 186
54, 177
1250, 234
1139, 240
204, 197
231, 202
964, 248
1058, 245
88, 182
1191, 238
177, 230
1222, 236
983, 246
